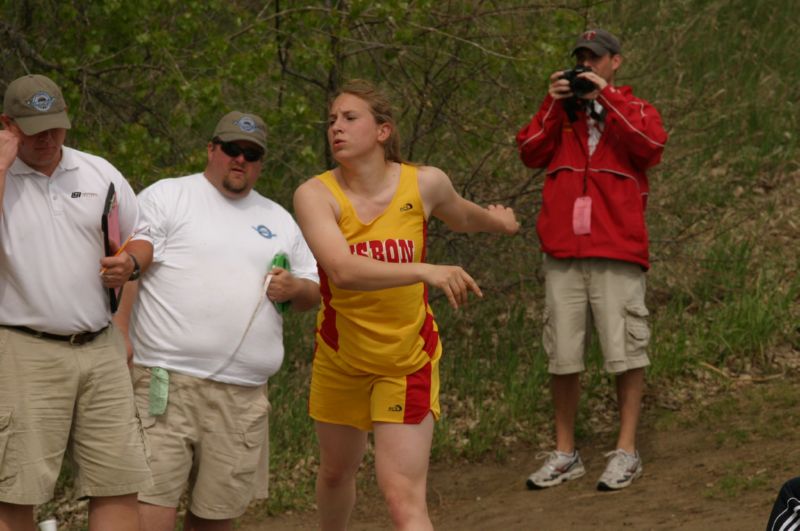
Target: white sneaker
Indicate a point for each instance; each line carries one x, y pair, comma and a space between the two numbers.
558, 468
621, 470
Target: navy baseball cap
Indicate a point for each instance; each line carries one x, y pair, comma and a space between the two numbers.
599, 41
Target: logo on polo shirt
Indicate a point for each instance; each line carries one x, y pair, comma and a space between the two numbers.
264, 231
85, 195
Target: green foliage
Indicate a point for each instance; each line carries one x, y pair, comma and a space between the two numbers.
147, 81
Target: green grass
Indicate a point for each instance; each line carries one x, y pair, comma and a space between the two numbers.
736, 481
752, 414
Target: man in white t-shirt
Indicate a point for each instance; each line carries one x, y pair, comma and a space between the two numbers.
64, 383
207, 329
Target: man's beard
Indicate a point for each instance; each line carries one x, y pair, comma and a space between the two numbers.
235, 185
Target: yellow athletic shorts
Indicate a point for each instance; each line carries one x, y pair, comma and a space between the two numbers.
342, 394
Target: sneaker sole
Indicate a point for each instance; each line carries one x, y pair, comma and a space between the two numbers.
558, 481
605, 487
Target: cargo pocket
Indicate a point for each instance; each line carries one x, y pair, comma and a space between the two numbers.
548, 334
637, 333
254, 439
6, 466
244, 476
145, 423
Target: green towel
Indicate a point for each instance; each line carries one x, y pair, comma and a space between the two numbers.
159, 391
282, 261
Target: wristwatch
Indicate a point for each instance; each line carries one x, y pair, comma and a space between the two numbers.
137, 271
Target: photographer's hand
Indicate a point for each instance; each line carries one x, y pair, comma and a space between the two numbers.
559, 87
599, 82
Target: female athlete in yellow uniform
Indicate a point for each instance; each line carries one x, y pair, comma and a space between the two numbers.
376, 362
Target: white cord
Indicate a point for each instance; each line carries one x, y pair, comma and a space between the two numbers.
261, 298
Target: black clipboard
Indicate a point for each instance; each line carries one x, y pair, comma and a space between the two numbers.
111, 238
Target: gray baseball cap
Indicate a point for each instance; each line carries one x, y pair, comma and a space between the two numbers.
599, 41
242, 126
36, 104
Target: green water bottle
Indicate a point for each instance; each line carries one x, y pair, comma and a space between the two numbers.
282, 261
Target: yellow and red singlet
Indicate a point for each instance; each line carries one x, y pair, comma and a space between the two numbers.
390, 331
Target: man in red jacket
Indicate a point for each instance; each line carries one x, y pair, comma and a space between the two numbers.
596, 141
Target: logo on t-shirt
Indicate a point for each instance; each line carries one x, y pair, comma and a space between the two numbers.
264, 231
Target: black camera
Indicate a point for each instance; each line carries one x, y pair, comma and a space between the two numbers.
579, 86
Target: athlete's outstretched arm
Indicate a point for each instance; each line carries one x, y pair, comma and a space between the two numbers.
442, 201
317, 214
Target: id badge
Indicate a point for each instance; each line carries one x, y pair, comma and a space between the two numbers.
159, 391
582, 215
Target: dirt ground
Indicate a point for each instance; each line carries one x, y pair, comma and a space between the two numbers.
716, 466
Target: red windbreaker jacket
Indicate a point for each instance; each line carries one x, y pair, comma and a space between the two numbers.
614, 176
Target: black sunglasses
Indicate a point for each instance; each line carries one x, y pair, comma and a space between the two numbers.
233, 150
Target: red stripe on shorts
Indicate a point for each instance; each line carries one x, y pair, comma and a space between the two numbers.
327, 329
418, 395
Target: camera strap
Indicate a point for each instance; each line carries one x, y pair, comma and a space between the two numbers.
596, 111
582, 208
571, 107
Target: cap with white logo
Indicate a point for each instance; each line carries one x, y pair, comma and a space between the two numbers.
242, 126
35, 104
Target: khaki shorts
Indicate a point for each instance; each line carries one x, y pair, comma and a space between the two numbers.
212, 438
342, 394
57, 398
609, 293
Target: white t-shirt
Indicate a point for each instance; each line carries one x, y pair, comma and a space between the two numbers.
594, 127
51, 243
211, 257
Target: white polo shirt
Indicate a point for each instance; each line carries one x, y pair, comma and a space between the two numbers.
51, 243
211, 256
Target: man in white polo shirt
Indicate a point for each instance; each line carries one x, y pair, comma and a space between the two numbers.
64, 382
206, 330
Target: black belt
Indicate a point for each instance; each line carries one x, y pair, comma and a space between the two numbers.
78, 339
